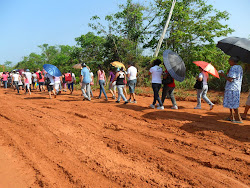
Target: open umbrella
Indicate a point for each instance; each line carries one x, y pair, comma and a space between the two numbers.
118, 64
207, 67
77, 66
175, 65
52, 70
235, 46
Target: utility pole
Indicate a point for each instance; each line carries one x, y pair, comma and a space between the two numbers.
165, 29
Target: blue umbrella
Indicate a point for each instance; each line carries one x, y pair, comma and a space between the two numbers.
175, 65
52, 70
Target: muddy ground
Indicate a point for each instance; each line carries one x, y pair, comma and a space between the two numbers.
68, 142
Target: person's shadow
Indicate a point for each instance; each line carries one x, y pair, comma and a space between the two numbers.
209, 121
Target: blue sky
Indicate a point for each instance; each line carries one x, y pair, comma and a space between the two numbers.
25, 24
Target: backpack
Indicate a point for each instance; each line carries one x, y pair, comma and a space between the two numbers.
68, 77
47, 81
40, 75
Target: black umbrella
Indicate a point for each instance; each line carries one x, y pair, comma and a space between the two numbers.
235, 46
175, 65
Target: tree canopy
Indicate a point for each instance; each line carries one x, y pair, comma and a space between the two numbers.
132, 34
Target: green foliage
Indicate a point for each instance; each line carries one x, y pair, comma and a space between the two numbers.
136, 28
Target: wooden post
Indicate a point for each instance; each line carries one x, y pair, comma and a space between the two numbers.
165, 29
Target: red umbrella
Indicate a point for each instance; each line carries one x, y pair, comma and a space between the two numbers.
207, 67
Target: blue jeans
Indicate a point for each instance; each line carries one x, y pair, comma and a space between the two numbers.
71, 85
156, 89
5, 84
16, 85
132, 84
203, 93
120, 93
102, 89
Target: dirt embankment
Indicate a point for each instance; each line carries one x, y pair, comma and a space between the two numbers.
67, 142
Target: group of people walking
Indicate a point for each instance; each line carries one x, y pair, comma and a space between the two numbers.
118, 78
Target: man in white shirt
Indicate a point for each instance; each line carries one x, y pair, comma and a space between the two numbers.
132, 74
15, 78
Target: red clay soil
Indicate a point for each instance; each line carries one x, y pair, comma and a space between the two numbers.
67, 142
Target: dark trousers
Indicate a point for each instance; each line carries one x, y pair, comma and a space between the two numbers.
169, 92
16, 85
156, 89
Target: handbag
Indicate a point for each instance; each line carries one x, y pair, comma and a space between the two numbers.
168, 80
198, 84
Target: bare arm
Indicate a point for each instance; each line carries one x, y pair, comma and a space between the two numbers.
227, 78
116, 76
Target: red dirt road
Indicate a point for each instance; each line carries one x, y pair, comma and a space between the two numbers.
67, 142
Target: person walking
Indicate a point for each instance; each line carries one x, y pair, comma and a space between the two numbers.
233, 89
64, 83
168, 89
15, 78
120, 79
34, 80
112, 85
203, 76
29, 77
27, 84
20, 83
70, 78
85, 82
91, 82
41, 81
50, 84
156, 72
101, 78
5, 80
57, 84
132, 80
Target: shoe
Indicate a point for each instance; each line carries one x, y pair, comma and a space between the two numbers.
106, 99
126, 102
152, 106
129, 100
117, 101
234, 121
174, 107
197, 107
211, 106
157, 105
160, 107
113, 97
134, 101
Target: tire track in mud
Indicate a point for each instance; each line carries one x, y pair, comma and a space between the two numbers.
122, 147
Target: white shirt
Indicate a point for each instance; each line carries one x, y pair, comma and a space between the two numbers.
52, 81
156, 72
204, 76
29, 76
91, 75
15, 77
132, 71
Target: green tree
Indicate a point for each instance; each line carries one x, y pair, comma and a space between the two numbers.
194, 24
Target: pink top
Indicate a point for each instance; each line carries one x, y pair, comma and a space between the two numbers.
27, 81
5, 77
101, 75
